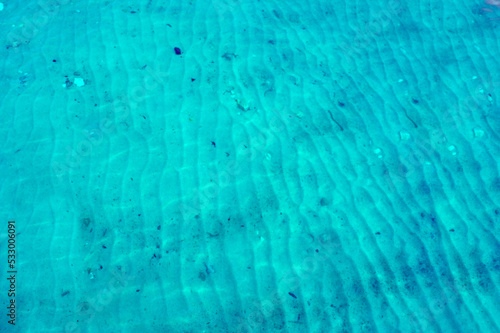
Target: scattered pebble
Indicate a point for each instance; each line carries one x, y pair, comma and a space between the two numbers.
404, 135
79, 82
177, 50
478, 132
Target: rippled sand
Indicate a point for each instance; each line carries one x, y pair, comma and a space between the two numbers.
293, 166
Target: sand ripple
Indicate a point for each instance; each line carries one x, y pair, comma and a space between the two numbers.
298, 167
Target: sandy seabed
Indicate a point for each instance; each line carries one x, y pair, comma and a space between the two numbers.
251, 166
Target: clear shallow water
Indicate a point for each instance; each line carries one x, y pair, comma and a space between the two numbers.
251, 166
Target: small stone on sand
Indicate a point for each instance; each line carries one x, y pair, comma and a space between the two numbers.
79, 82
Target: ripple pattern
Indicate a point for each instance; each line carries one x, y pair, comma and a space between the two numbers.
299, 167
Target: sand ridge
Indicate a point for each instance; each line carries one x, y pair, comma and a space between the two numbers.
298, 167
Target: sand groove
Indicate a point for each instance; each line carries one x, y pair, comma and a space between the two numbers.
298, 167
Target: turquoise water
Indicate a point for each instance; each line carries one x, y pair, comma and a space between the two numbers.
250, 166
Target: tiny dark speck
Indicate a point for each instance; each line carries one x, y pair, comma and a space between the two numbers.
177, 50
159, 227
213, 144
133, 12
452, 230
292, 295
